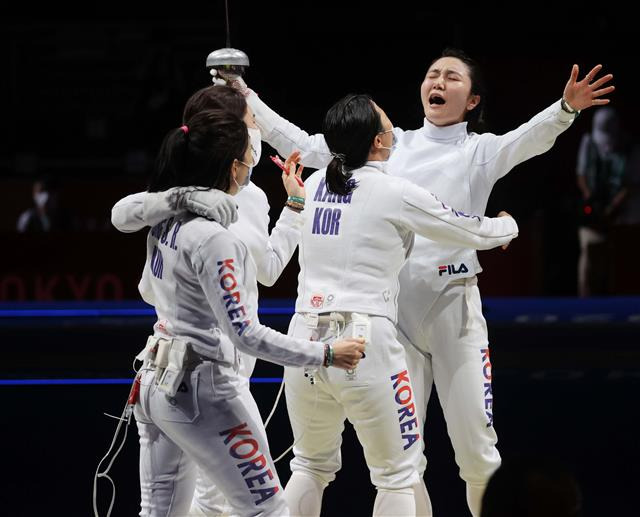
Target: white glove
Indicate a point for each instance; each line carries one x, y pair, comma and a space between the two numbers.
233, 80
212, 204
216, 78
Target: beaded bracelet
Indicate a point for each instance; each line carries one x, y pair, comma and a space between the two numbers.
294, 206
328, 355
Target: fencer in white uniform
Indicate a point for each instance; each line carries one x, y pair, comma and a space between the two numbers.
357, 233
270, 254
439, 307
246, 215
193, 407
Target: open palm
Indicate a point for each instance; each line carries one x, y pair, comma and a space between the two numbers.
584, 94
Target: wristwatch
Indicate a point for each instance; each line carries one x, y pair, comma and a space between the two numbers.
565, 107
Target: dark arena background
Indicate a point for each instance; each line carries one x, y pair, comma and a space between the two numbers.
87, 96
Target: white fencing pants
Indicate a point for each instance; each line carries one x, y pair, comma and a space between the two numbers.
208, 500
447, 344
207, 423
378, 400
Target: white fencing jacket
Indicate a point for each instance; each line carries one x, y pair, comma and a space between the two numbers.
202, 282
270, 253
354, 246
459, 167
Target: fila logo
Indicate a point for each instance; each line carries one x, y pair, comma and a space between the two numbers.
451, 269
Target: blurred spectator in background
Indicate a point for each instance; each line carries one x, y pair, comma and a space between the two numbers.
532, 487
601, 169
44, 215
630, 209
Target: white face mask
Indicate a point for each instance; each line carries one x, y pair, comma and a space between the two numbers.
247, 179
256, 144
40, 199
394, 141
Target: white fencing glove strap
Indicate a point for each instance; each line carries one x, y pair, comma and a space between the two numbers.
233, 80
212, 204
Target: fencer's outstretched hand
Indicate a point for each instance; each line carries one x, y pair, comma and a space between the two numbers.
503, 213
212, 204
292, 176
583, 94
347, 353
224, 78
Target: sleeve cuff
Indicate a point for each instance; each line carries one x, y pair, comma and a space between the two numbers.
292, 218
319, 359
266, 118
561, 114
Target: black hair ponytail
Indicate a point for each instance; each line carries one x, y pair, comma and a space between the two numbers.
349, 128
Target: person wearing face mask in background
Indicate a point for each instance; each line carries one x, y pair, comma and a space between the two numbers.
250, 223
44, 215
439, 308
600, 174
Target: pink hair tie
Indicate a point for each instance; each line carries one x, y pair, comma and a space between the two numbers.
185, 129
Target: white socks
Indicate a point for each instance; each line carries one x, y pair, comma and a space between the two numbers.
423, 502
474, 499
303, 495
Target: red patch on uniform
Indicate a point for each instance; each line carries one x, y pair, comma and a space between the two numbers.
162, 327
317, 301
